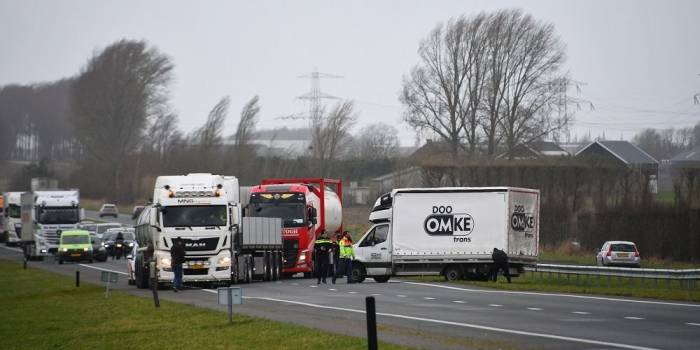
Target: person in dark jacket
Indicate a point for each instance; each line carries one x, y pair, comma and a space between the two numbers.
177, 258
500, 262
322, 251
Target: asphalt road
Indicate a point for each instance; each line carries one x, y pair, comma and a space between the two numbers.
121, 218
443, 316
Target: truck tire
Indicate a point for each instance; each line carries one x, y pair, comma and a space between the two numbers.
267, 273
382, 279
248, 268
452, 273
140, 273
357, 273
276, 264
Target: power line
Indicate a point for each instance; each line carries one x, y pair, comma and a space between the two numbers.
315, 95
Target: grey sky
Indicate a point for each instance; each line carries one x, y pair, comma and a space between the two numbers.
639, 59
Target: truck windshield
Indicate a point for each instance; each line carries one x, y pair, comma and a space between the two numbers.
194, 216
48, 215
13, 211
75, 239
292, 214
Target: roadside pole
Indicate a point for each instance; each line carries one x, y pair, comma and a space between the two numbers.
77, 278
371, 324
154, 283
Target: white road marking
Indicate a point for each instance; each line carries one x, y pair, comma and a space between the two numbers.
534, 308
332, 289
459, 301
495, 305
11, 248
428, 298
400, 295
581, 312
103, 269
467, 325
550, 295
376, 294
313, 286
352, 292
692, 324
634, 318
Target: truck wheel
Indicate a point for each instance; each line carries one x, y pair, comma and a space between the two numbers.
266, 266
357, 274
140, 273
453, 273
248, 270
275, 266
60, 261
382, 279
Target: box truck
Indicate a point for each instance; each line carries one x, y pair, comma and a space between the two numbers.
448, 231
44, 215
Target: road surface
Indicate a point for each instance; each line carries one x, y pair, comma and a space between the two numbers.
445, 316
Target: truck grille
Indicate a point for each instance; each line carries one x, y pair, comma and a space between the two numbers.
202, 244
291, 250
195, 271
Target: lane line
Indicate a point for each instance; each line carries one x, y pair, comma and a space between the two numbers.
352, 292
428, 298
551, 295
495, 305
534, 308
400, 295
467, 325
103, 269
692, 324
376, 294
634, 318
581, 312
459, 301
313, 286
332, 289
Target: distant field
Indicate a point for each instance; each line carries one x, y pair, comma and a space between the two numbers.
41, 310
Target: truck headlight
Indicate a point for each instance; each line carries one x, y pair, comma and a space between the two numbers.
225, 261
131, 244
85, 249
302, 257
165, 262
65, 249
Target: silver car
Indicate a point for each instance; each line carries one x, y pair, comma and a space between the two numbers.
109, 210
618, 253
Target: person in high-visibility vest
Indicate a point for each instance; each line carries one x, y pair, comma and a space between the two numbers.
322, 250
347, 254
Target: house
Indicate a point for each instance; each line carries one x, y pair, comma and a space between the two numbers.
625, 154
408, 177
534, 150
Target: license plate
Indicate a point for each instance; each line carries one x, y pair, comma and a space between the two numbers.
75, 254
622, 255
196, 266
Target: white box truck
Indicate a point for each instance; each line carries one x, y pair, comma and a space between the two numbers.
12, 217
45, 214
448, 231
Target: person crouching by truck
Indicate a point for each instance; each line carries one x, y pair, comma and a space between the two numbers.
500, 262
347, 255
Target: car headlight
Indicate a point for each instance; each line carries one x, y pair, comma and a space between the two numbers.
302, 257
131, 244
65, 249
85, 249
225, 261
165, 262
119, 245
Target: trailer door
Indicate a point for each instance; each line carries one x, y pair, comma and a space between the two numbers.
376, 247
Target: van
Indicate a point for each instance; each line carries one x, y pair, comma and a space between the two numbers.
75, 245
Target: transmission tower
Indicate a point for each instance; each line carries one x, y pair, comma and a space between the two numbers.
315, 95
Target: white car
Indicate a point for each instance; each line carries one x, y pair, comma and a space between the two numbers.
618, 253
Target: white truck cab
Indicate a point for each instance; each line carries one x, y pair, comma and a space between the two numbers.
12, 219
45, 214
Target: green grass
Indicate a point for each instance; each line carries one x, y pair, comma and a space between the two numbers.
558, 257
627, 287
41, 310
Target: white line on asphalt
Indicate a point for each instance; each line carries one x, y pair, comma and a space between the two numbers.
550, 294
534, 308
459, 301
692, 324
313, 286
352, 292
495, 305
428, 298
376, 294
581, 312
102, 269
400, 295
634, 318
332, 289
466, 325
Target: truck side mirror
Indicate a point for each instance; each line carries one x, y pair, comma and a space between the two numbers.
313, 215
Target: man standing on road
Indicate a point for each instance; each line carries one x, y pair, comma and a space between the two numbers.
500, 262
335, 256
322, 250
347, 254
177, 258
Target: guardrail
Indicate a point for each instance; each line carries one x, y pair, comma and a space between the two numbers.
686, 278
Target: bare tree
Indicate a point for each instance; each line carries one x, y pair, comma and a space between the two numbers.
329, 134
112, 99
246, 126
442, 92
162, 132
376, 141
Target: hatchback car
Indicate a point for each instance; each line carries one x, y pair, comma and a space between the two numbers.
618, 253
109, 210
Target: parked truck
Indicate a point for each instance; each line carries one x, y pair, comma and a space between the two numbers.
12, 221
44, 215
203, 210
307, 207
448, 231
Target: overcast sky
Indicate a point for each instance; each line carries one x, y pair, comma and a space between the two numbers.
639, 60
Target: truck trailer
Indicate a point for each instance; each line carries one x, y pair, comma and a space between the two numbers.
449, 231
307, 207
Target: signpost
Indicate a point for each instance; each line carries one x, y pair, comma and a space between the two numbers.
229, 296
108, 277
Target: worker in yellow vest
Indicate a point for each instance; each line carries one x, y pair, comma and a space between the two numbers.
347, 255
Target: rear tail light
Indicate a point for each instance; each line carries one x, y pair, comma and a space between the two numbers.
609, 251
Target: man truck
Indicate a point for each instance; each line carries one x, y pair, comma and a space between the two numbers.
12, 219
203, 210
44, 215
307, 207
448, 231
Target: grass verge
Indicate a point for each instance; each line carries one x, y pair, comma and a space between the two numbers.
41, 310
627, 287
